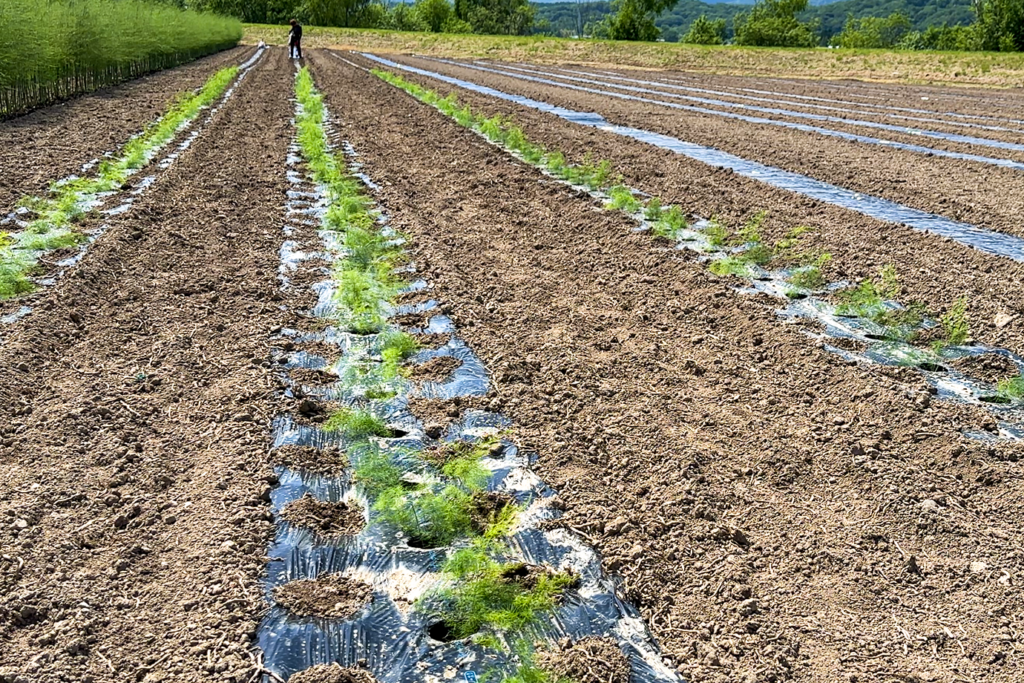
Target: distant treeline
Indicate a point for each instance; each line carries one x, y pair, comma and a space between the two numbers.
496, 17
900, 24
562, 18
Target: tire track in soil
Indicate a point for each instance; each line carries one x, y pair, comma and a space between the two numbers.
54, 142
134, 408
933, 270
704, 449
965, 191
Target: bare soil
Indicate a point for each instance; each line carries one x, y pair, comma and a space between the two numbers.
990, 367
311, 378
325, 461
325, 518
433, 340
438, 414
773, 512
418, 296
847, 110
138, 520
984, 195
331, 673
435, 370
416, 321
935, 100
962, 70
54, 142
760, 498
588, 660
330, 596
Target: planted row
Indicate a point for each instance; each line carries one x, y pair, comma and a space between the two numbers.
744, 252
597, 176
53, 222
435, 497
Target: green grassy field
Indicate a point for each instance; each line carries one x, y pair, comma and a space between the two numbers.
991, 69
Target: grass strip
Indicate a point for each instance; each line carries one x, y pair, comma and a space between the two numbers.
356, 424
50, 51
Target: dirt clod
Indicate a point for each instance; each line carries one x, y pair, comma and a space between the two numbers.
331, 673
328, 460
436, 369
441, 413
327, 519
330, 596
588, 660
989, 367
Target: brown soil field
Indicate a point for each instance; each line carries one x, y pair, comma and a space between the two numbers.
729, 500
976, 193
968, 71
772, 511
934, 270
974, 101
133, 404
954, 118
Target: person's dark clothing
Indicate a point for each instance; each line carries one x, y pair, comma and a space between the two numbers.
295, 41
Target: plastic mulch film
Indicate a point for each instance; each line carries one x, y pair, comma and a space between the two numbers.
395, 635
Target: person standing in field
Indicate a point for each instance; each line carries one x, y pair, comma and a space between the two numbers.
295, 40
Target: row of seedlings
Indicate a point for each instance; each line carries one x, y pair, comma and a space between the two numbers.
864, 322
56, 226
408, 549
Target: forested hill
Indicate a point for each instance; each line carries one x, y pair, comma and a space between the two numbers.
922, 13
561, 16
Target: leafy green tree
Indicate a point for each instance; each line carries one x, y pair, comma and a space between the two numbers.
253, 11
704, 31
773, 23
433, 14
373, 15
874, 32
951, 38
456, 25
405, 17
497, 17
343, 13
634, 19
1000, 24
